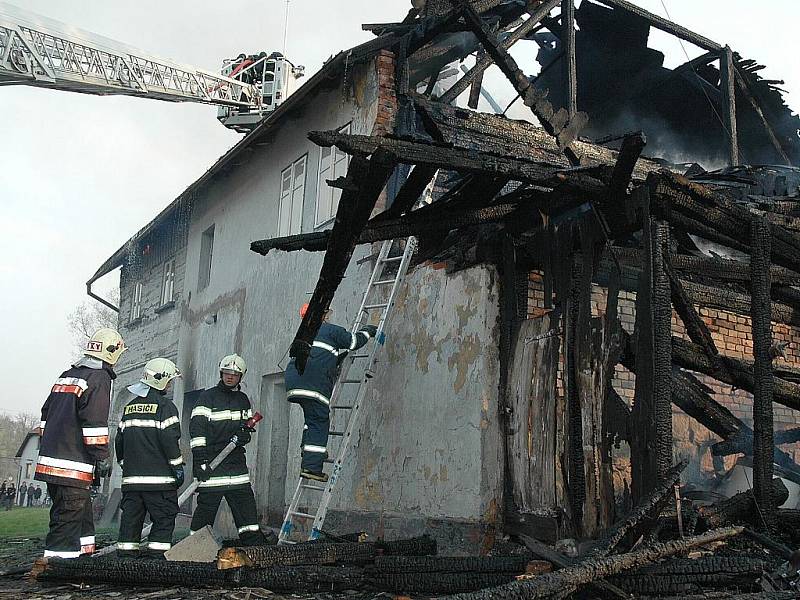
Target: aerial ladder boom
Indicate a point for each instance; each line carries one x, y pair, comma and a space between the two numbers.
42, 52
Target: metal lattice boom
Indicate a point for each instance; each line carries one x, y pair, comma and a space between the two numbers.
41, 52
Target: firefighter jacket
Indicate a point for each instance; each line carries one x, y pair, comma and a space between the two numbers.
75, 424
219, 415
148, 443
327, 352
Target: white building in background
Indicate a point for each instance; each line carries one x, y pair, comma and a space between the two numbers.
26, 458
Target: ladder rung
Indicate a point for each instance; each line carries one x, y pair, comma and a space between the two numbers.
312, 487
303, 515
354, 356
393, 258
340, 433
384, 282
351, 381
343, 407
371, 306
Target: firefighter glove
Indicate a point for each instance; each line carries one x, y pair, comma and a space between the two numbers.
103, 467
179, 475
242, 438
201, 471
370, 330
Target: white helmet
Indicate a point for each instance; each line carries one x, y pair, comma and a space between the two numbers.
233, 363
106, 344
158, 372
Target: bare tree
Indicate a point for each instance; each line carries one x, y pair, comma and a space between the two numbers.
89, 316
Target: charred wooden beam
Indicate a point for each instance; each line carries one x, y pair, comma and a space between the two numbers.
496, 134
298, 554
726, 84
475, 86
762, 367
569, 62
742, 507
413, 187
666, 25
649, 508
456, 159
484, 62
617, 417
724, 269
695, 326
744, 88
561, 583
785, 465
674, 196
739, 373
557, 124
370, 176
417, 223
651, 453
787, 436
694, 398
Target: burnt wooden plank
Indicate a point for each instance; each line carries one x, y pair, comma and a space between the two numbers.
456, 159
410, 191
762, 367
738, 373
416, 223
651, 451
727, 87
532, 399
569, 62
370, 176
667, 25
722, 219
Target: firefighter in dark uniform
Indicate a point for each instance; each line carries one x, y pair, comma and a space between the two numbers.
312, 390
217, 419
74, 444
148, 450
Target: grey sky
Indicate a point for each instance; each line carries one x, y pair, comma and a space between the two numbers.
81, 174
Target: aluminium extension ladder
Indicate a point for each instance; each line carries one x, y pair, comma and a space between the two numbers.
351, 388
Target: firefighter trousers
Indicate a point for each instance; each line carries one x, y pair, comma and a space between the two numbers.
71, 522
162, 507
242, 503
314, 445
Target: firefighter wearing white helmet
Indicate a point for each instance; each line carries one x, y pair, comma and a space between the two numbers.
217, 419
148, 450
74, 443
233, 363
106, 344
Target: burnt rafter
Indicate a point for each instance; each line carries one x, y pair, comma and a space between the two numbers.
485, 61
369, 176
557, 123
457, 159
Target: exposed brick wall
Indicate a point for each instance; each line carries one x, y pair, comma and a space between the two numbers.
731, 333
387, 93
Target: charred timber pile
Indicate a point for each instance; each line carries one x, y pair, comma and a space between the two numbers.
687, 575
742, 507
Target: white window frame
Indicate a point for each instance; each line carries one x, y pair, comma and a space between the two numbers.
168, 282
206, 262
136, 302
337, 167
291, 197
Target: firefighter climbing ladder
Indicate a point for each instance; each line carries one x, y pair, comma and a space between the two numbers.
390, 270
